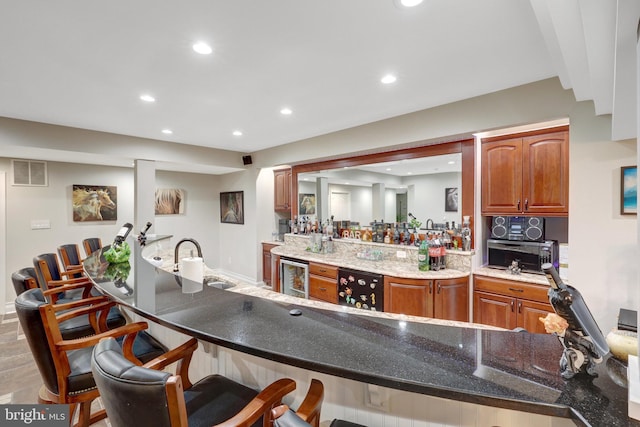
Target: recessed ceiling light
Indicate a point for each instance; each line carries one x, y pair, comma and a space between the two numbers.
167, 131
147, 98
237, 133
409, 173
451, 162
388, 169
410, 3
202, 48
286, 111
388, 79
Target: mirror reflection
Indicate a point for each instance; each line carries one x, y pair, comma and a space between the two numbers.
427, 187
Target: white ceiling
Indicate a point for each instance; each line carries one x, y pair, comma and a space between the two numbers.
85, 63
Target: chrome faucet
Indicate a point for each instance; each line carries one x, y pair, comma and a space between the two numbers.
175, 264
429, 224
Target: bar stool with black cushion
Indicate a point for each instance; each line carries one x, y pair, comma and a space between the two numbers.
50, 278
285, 417
138, 396
65, 365
24, 279
91, 245
70, 258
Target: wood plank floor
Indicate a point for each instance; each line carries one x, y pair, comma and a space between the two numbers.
19, 376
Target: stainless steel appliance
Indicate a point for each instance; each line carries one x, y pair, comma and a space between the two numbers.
360, 289
529, 256
294, 278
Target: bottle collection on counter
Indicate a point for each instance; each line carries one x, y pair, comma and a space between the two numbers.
432, 242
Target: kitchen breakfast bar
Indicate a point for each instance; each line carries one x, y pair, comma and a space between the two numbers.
493, 368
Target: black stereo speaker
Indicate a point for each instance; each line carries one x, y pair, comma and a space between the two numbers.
530, 229
534, 229
246, 160
499, 227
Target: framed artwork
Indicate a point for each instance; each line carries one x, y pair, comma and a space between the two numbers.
169, 201
451, 199
232, 207
95, 203
629, 190
307, 204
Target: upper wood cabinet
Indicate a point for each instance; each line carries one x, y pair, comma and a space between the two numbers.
441, 298
282, 190
526, 175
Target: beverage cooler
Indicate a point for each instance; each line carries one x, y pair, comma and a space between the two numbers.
294, 278
361, 289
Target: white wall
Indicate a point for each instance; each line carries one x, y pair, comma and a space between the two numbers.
603, 249
429, 197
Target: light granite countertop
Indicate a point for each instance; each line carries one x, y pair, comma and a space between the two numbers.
538, 279
386, 267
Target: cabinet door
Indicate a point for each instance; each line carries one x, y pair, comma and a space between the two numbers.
528, 314
494, 310
282, 189
545, 170
323, 288
408, 296
275, 273
451, 299
502, 176
266, 267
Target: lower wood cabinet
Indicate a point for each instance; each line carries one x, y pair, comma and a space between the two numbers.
267, 263
438, 298
323, 282
510, 304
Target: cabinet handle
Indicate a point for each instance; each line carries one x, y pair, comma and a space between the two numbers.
518, 204
526, 204
322, 270
430, 286
516, 290
322, 289
512, 306
520, 307
439, 287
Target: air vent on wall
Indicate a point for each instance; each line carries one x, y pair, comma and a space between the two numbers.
29, 173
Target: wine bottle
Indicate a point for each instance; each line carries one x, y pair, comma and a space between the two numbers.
122, 234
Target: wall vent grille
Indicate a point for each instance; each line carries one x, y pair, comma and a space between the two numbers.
29, 173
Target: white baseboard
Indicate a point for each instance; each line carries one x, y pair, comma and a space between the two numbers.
633, 379
9, 307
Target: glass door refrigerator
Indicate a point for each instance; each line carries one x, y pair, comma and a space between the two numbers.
294, 278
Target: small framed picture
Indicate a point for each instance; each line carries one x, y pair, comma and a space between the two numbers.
451, 199
629, 190
232, 207
307, 204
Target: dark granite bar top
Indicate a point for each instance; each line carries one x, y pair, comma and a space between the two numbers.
513, 370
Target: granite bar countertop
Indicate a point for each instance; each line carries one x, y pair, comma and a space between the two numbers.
507, 369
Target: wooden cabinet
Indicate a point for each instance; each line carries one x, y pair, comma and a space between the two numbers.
526, 175
323, 282
282, 189
509, 304
441, 298
267, 263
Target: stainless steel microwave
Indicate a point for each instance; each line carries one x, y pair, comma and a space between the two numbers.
529, 255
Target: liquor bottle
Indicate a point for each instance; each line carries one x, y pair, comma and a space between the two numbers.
295, 225
396, 236
387, 235
423, 256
